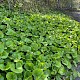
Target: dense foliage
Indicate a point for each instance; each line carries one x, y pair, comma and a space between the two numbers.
38, 46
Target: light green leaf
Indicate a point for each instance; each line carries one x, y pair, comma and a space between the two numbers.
25, 48
16, 56
68, 56
34, 46
1, 34
28, 78
27, 40
75, 73
4, 67
37, 53
37, 73
61, 71
58, 78
58, 64
11, 32
1, 66
27, 74
29, 65
4, 55
10, 43
11, 76
57, 56
67, 63
1, 47
78, 74
16, 69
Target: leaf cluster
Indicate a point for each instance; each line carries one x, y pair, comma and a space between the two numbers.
38, 47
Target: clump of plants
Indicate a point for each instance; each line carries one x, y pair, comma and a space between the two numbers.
38, 46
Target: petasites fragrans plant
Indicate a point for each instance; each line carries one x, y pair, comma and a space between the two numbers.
38, 46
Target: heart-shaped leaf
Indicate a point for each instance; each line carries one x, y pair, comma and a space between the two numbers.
37, 73
16, 56
4, 55
11, 76
16, 69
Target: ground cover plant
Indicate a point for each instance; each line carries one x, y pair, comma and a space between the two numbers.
38, 46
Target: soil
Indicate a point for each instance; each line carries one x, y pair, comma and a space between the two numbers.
78, 69
74, 15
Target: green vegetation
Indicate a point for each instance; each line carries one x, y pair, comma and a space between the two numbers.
38, 46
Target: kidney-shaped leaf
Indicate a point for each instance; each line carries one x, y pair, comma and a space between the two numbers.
29, 65
37, 73
16, 56
4, 55
11, 76
18, 68
25, 48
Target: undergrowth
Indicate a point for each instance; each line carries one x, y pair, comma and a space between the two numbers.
38, 46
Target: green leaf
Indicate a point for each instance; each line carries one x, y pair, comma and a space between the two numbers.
1, 34
27, 74
27, 40
1, 77
1, 66
78, 74
2, 27
7, 66
37, 53
10, 43
29, 56
68, 56
75, 63
16, 56
34, 46
57, 56
11, 76
16, 69
11, 32
25, 48
58, 64
58, 77
29, 65
71, 77
37, 73
4, 67
1, 47
75, 73
4, 55
28, 78
74, 53
1, 61
61, 71
67, 63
